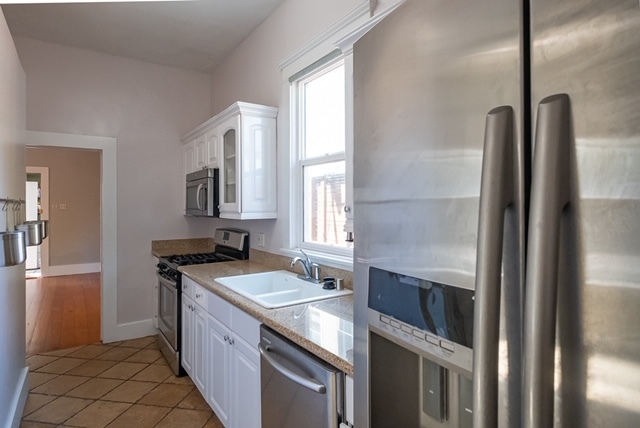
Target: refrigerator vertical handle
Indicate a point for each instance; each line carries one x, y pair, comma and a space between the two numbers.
549, 195
496, 194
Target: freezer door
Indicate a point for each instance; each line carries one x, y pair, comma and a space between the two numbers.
425, 79
588, 373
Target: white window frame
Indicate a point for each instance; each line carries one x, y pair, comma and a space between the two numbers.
300, 162
316, 49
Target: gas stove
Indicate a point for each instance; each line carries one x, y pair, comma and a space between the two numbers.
231, 244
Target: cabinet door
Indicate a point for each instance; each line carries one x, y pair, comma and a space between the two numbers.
201, 152
246, 385
187, 334
230, 175
200, 361
188, 158
258, 167
212, 148
219, 377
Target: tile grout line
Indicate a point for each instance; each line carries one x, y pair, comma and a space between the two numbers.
187, 387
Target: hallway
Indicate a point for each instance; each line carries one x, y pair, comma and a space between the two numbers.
62, 312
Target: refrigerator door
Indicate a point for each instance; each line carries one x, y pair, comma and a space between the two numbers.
423, 88
584, 370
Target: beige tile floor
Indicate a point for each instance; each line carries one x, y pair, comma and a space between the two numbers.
124, 384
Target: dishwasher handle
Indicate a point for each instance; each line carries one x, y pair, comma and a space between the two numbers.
311, 384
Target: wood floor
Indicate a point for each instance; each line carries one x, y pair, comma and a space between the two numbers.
62, 312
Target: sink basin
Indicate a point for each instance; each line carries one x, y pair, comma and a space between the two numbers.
278, 289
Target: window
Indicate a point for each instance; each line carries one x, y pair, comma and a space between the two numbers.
320, 159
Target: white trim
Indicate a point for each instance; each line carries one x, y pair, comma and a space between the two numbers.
19, 399
44, 202
334, 260
321, 160
324, 41
74, 269
132, 330
346, 43
110, 330
238, 107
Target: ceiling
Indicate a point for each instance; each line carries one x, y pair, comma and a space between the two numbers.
195, 35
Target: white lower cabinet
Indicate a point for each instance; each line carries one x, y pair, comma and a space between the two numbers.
348, 400
223, 362
245, 374
200, 357
186, 351
219, 387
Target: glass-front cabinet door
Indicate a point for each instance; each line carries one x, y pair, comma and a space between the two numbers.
230, 177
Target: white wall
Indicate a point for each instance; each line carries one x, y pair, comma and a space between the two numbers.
12, 184
147, 108
251, 74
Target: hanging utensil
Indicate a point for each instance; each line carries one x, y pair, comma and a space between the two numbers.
13, 250
34, 230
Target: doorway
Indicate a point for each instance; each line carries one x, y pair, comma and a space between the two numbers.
37, 208
109, 327
63, 305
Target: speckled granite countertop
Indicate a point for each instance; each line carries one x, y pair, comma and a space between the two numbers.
324, 328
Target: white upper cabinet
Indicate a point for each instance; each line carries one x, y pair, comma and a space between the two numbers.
241, 142
212, 148
248, 162
200, 148
202, 156
188, 158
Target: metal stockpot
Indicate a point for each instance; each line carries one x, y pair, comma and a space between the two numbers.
33, 232
43, 225
13, 249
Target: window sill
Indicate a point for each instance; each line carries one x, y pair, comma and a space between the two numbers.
332, 260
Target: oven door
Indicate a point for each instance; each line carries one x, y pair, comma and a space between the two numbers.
168, 311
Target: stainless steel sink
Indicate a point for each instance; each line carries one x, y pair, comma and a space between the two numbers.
277, 289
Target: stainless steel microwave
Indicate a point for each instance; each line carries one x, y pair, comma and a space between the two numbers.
202, 193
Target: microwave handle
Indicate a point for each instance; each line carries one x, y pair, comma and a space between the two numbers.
199, 205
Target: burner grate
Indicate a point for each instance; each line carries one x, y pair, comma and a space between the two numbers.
193, 259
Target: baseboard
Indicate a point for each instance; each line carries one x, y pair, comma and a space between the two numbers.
19, 400
74, 269
131, 330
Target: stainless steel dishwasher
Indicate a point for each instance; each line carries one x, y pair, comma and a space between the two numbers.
298, 389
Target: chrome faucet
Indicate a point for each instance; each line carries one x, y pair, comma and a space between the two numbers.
308, 267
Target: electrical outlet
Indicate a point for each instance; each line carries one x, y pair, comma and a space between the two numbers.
63, 206
261, 240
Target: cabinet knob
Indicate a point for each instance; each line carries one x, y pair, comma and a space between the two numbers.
226, 338
347, 209
231, 341
198, 295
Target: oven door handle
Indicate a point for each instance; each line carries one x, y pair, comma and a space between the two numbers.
167, 282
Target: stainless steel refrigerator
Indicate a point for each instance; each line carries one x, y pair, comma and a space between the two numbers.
497, 196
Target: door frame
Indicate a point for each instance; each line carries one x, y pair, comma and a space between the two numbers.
108, 218
44, 203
